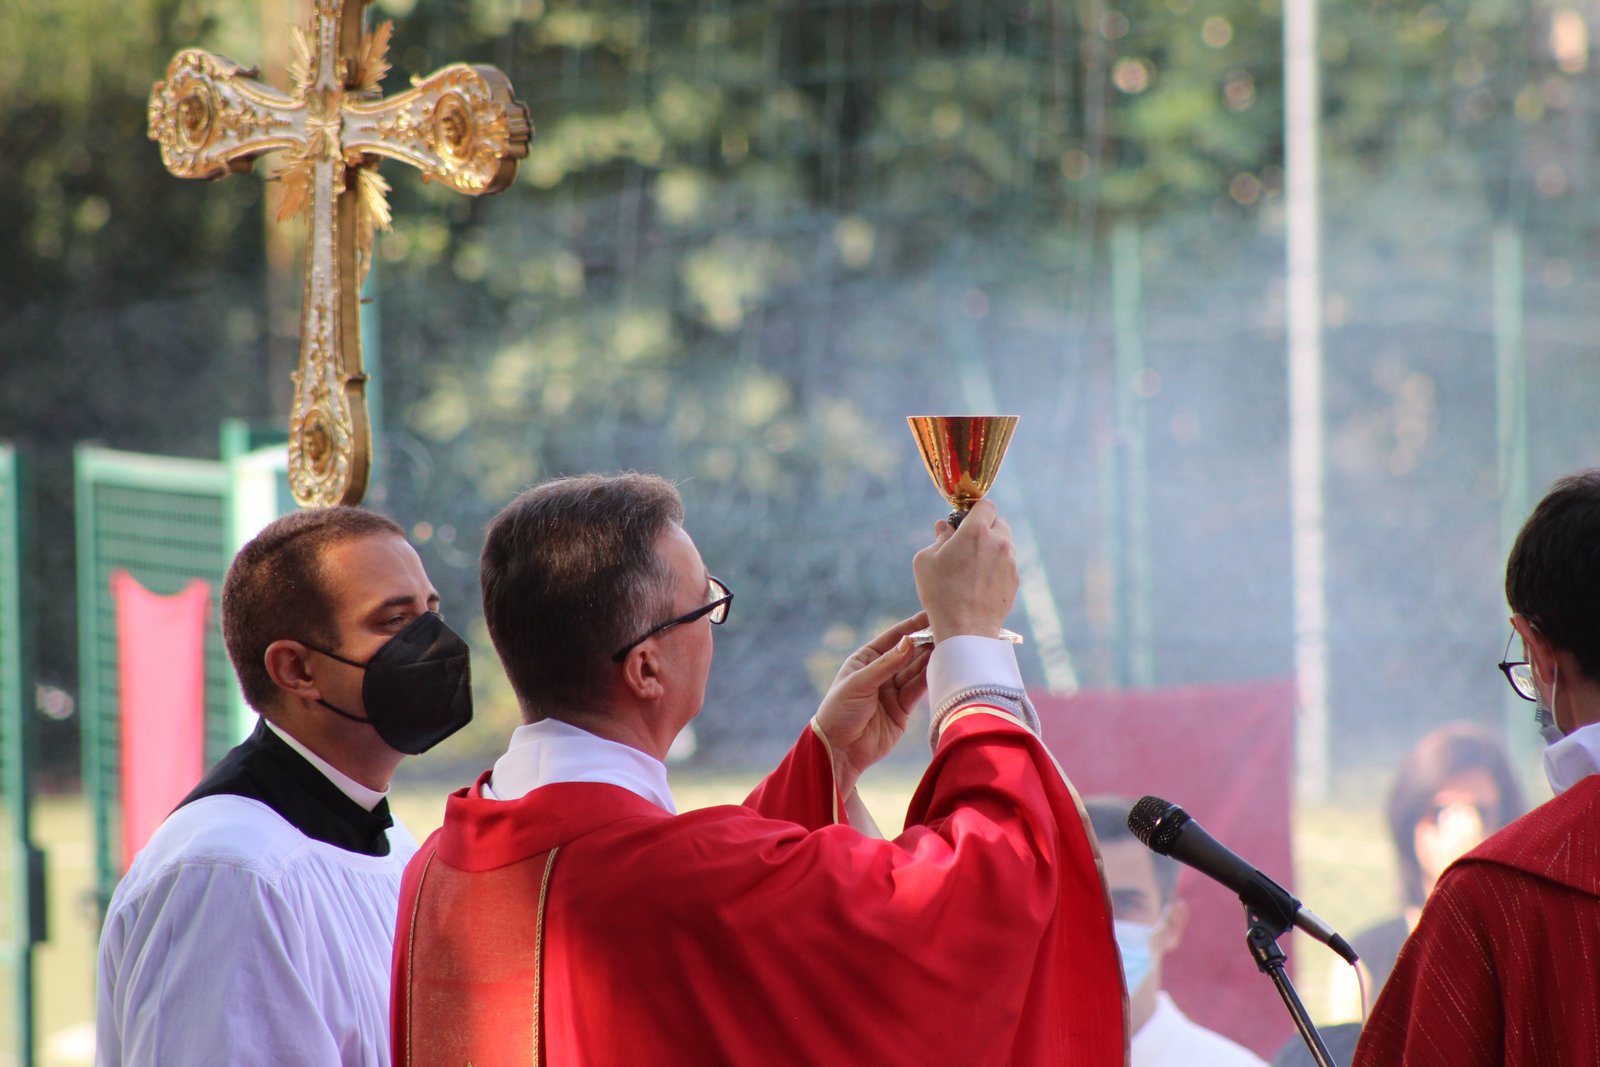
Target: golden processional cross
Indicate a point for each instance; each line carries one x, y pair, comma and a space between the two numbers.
461, 126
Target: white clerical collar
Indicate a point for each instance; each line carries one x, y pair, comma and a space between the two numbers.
550, 751
367, 798
1573, 758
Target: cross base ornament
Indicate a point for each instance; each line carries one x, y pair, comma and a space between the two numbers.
461, 126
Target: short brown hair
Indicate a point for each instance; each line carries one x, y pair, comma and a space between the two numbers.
570, 574
1553, 572
274, 590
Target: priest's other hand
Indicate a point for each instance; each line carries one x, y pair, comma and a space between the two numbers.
967, 579
865, 711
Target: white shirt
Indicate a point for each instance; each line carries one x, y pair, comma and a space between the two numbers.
1573, 758
551, 751
1169, 1038
235, 939
365, 796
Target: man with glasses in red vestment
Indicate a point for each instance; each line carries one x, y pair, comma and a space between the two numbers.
565, 914
1502, 966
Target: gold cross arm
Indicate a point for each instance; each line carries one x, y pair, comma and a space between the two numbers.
212, 118
462, 126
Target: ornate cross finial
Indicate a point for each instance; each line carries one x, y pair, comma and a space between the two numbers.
461, 126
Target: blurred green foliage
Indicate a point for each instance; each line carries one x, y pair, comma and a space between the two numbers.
751, 234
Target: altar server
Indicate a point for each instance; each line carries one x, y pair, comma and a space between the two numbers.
256, 926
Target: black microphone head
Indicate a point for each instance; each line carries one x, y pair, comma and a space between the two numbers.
1157, 823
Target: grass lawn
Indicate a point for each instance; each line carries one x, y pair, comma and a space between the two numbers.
1345, 870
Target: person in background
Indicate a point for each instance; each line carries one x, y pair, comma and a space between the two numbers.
1501, 967
1452, 790
1149, 921
257, 924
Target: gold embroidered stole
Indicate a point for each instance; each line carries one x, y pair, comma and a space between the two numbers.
474, 966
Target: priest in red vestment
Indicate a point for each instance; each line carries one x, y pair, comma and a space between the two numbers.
566, 915
1502, 966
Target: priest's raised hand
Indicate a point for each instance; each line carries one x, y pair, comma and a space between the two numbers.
864, 714
967, 579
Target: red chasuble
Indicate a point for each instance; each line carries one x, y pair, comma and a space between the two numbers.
768, 933
1504, 965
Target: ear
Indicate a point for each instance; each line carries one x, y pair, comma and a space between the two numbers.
641, 672
1170, 935
1541, 653
288, 665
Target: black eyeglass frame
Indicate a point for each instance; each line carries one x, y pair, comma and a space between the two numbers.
1508, 667
717, 608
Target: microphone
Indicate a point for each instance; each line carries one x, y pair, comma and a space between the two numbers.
1168, 830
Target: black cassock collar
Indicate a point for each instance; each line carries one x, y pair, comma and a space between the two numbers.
265, 768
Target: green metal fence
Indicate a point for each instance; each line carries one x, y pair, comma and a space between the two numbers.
165, 521
22, 917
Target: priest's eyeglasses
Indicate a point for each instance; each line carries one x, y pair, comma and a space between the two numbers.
1519, 673
716, 608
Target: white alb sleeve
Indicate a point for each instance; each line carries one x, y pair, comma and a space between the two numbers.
967, 669
208, 965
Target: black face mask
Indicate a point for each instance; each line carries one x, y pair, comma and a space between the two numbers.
418, 689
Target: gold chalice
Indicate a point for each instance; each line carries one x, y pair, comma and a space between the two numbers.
962, 454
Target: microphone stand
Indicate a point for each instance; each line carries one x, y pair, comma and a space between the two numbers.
1262, 939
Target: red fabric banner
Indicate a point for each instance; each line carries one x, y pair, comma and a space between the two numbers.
161, 678
1224, 753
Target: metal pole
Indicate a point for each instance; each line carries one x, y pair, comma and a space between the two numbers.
1132, 413
24, 882
1304, 255
1109, 469
372, 363
1511, 428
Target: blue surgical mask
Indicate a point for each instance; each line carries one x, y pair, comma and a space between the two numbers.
1545, 715
1564, 765
1133, 941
